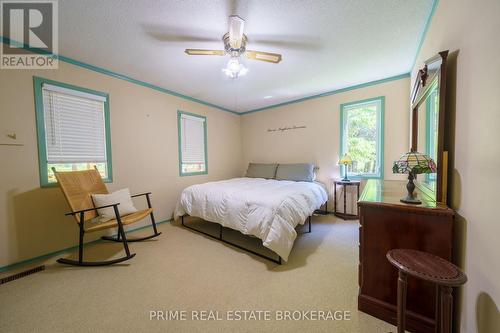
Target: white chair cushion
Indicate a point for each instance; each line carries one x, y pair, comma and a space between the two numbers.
122, 196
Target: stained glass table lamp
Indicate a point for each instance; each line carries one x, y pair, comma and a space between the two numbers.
413, 163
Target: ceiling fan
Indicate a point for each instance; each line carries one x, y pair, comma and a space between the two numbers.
235, 42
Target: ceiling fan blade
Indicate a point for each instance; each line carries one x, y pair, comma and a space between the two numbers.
263, 56
204, 52
236, 26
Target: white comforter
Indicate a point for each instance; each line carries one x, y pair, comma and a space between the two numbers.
265, 208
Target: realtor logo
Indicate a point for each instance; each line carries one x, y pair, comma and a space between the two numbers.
29, 31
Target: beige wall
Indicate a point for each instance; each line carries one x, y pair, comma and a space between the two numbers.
470, 30
320, 141
145, 156
144, 138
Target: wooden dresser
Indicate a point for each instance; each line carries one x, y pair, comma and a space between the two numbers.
385, 224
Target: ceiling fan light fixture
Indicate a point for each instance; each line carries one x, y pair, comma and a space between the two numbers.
235, 69
233, 65
235, 46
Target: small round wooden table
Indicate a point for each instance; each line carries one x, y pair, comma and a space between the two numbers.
427, 267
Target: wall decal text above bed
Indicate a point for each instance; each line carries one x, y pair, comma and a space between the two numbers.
286, 128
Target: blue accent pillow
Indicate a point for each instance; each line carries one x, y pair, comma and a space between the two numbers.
299, 172
262, 170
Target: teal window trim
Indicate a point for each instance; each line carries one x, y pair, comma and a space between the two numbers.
179, 132
381, 121
40, 125
430, 130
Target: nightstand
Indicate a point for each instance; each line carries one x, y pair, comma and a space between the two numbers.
344, 215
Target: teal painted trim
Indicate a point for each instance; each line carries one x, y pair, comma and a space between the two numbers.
427, 126
100, 70
427, 130
43, 257
424, 32
333, 92
382, 137
430, 103
179, 130
381, 141
40, 125
109, 155
66, 250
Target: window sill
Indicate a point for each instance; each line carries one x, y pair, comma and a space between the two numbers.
193, 173
51, 185
361, 177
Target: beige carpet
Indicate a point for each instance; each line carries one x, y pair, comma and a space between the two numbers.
186, 271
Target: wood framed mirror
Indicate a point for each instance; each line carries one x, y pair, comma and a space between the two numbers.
428, 116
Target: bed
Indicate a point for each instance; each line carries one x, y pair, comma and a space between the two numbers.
265, 208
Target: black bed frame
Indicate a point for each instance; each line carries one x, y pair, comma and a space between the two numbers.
219, 237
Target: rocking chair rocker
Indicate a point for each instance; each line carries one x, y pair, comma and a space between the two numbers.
77, 187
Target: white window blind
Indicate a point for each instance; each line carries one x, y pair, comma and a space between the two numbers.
74, 125
192, 139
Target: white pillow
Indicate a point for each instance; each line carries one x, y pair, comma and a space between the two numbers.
122, 196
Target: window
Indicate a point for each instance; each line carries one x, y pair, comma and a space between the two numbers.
192, 144
362, 137
73, 129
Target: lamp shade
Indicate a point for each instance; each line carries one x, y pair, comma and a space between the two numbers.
345, 160
415, 163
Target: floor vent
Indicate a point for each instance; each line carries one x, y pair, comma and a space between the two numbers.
22, 274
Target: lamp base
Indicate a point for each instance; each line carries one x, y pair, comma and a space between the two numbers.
410, 187
346, 180
410, 200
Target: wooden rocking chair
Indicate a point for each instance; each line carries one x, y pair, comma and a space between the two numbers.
77, 187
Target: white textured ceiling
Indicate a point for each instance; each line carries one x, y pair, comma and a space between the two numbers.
326, 44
